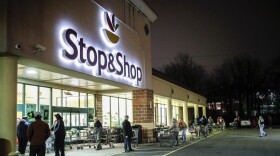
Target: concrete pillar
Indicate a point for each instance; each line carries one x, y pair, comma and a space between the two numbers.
196, 114
185, 113
169, 112
8, 104
204, 111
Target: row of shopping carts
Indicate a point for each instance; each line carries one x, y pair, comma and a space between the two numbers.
86, 137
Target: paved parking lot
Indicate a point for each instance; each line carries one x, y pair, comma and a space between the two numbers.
229, 143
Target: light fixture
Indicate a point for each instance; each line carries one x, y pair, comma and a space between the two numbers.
38, 48
31, 72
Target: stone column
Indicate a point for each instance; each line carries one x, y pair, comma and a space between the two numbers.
143, 112
185, 112
204, 111
8, 104
169, 112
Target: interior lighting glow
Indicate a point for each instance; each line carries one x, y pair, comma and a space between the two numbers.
32, 72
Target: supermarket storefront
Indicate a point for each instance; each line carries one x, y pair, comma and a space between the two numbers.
84, 59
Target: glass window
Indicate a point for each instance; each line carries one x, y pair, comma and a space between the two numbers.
106, 110
56, 97
129, 110
114, 111
122, 105
162, 114
74, 119
83, 100
66, 119
83, 119
70, 99
91, 110
44, 101
20, 105
175, 112
31, 98
90, 101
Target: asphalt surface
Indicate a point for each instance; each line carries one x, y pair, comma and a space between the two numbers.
241, 142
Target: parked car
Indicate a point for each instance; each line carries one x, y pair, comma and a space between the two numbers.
245, 122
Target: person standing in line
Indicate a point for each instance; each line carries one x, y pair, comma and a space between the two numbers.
175, 130
261, 125
97, 133
127, 133
59, 135
37, 133
22, 135
183, 126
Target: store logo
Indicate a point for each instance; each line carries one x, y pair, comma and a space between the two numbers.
113, 27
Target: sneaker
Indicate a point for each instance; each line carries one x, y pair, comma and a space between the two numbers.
126, 151
265, 135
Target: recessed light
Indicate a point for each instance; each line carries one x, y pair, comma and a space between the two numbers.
31, 72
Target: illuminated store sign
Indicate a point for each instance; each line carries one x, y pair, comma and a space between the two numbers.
100, 61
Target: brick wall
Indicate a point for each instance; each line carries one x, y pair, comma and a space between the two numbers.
143, 112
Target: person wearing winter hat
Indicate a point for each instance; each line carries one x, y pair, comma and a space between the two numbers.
37, 133
59, 133
175, 130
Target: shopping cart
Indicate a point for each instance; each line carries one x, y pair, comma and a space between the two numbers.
165, 138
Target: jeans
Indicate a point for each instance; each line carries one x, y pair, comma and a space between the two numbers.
184, 135
262, 132
127, 144
175, 138
37, 150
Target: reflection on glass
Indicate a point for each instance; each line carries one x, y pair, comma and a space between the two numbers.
83, 100
122, 106
90, 101
162, 114
66, 119
70, 99
83, 119
56, 97
129, 110
20, 105
75, 119
175, 112
106, 110
31, 98
114, 112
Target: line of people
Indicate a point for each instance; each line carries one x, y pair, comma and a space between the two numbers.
37, 133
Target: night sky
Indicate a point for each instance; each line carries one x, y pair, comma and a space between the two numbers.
212, 30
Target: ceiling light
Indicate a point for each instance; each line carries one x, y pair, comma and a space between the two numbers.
31, 72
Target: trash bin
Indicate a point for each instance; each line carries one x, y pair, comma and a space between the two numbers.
137, 138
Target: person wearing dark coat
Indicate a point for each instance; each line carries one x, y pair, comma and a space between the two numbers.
97, 133
127, 134
59, 135
22, 135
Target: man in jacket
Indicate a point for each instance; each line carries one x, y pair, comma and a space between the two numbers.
127, 133
175, 130
97, 133
261, 125
21, 134
37, 133
59, 133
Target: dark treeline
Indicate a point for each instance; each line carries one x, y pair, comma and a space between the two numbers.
241, 84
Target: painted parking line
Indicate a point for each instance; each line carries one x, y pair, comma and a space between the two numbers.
190, 144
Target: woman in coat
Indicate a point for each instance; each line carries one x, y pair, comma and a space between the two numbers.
59, 133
